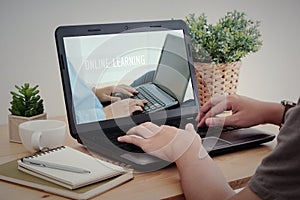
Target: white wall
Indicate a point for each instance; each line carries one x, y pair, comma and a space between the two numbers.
28, 54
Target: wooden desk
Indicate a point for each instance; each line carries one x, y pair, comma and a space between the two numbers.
237, 167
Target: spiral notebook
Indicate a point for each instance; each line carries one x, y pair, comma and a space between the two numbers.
94, 170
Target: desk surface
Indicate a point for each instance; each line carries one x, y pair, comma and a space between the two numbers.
237, 167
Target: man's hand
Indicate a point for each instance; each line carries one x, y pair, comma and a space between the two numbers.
165, 142
246, 112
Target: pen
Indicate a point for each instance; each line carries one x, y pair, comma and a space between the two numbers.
54, 166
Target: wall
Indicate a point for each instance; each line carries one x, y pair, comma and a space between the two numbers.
28, 54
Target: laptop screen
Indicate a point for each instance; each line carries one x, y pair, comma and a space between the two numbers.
94, 61
172, 66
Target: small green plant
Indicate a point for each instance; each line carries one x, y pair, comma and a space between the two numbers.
26, 102
230, 39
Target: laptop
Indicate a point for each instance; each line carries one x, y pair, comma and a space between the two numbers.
133, 54
162, 92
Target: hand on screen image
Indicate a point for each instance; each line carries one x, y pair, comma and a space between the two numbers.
121, 105
123, 108
105, 94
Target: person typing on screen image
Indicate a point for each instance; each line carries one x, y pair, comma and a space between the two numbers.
88, 101
278, 176
119, 107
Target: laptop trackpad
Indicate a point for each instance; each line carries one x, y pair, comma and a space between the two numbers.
210, 143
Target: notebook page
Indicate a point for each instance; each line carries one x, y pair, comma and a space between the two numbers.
99, 169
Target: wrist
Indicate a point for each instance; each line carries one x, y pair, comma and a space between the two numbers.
195, 152
273, 113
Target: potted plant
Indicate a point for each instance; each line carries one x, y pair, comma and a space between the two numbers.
26, 105
218, 50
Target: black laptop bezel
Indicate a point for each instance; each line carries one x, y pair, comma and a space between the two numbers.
96, 29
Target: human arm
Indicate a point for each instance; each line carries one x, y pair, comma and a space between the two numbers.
246, 112
200, 177
105, 93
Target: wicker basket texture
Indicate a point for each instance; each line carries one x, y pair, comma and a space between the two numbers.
215, 79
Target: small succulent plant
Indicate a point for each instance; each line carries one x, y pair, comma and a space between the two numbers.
27, 101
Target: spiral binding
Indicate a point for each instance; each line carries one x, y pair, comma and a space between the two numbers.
41, 153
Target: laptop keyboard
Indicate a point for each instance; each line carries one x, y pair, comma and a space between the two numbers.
153, 102
135, 149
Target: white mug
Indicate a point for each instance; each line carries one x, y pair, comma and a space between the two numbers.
38, 134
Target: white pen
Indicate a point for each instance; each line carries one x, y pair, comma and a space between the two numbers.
54, 166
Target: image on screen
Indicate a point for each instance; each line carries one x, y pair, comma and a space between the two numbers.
120, 75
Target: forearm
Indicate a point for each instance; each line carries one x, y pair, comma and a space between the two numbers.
200, 177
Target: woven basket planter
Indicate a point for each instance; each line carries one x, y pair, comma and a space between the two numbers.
215, 79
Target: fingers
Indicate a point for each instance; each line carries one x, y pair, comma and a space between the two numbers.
145, 130
125, 89
136, 105
215, 100
126, 106
215, 110
133, 139
138, 102
201, 122
213, 107
112, 99
152, 127
206, 107
128, 88
189, 127
221, 121
215, 121
141, 131
103, 93
138, 134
